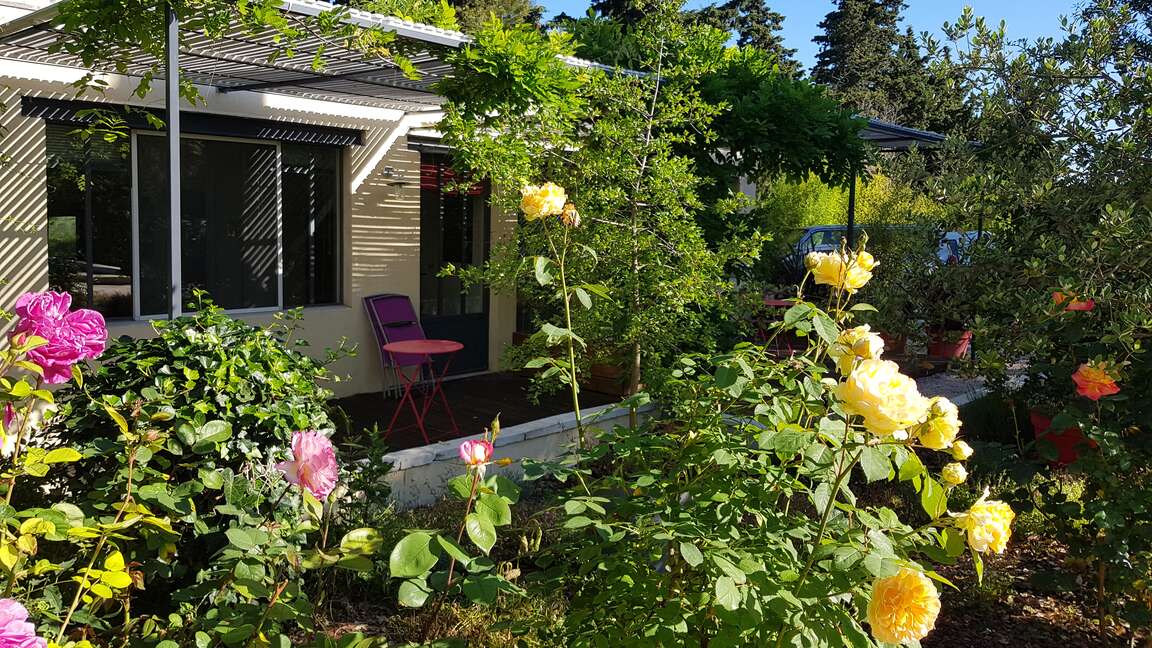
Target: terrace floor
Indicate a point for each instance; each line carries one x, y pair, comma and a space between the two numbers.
475, 401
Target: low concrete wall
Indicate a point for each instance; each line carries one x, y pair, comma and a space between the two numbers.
419, 476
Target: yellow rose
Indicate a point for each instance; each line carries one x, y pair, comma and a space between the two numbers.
858, 342
839, 271
961, 451
988, 525
547, 199
888, 401
903, 608
954, 474
942, 426
848, 272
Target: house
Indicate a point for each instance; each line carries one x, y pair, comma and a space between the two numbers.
298, 188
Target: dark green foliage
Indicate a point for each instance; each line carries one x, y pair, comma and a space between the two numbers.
186, 427
755, 25
211, 367
882, 73
857, 45
772, 126
472, 14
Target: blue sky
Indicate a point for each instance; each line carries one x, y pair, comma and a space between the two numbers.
1025, 18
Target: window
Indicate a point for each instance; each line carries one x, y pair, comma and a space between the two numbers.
89, 215
259, 224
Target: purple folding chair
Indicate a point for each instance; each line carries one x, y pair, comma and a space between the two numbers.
394, 320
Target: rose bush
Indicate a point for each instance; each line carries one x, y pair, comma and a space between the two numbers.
129, 517
733, 517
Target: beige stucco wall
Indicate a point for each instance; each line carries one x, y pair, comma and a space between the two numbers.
381, 237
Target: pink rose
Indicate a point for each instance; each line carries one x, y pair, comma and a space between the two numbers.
15, 631
71, 336
313, 464
475, 452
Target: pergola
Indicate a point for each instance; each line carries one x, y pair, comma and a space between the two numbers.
241, 61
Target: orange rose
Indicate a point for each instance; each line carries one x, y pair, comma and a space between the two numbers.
1073, 303
1094, 382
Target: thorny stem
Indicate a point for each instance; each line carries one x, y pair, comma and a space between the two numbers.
100, 545
842, 473
268, 610
561, 256
20, 442
452, 563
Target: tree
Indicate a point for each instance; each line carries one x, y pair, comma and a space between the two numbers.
615, 141
755, 25
627, 12
857, 53
472, 14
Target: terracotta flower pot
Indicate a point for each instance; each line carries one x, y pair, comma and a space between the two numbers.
939, 345
1069, 442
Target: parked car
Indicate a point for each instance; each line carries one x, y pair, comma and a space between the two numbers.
953, 248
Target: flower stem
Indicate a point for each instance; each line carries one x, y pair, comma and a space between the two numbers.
100, 545
452, 562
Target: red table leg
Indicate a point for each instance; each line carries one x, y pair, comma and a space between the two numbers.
409, 383
438, 388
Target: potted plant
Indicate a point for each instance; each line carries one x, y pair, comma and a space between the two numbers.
907, 252
945, 306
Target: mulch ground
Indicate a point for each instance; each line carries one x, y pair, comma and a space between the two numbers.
1031, 598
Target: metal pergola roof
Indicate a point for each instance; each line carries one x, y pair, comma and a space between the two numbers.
241, 60
890, 138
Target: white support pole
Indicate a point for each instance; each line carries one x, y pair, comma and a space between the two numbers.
172, 107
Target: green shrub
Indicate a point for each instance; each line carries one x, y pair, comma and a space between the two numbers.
172, 524
209, 366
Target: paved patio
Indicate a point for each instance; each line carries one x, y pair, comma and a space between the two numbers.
475, 401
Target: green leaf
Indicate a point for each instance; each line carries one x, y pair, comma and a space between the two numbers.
796, 313
933, 497
727, 593
543, 277
454, 550
480, 531
362, 541
461, 486
911, 468
115, 416
504, 487
876, 463
481, 589
412, 556
493, 508
240, 539
825, 328
979, 563
787, 441
413, 593
62, 455
582, 296
211, 478
691, 554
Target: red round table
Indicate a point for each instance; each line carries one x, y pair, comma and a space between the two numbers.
419, 353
